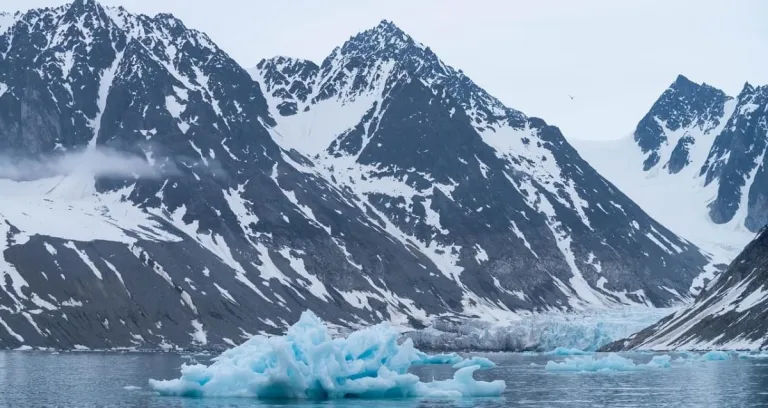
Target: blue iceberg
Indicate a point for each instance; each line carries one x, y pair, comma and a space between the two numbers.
611, 362
307, 363
664, 361
715, 356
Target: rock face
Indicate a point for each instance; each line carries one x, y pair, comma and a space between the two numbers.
154, 196
683, 110
731, 313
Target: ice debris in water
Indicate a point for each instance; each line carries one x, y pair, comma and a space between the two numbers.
426, 359
753, 356
307, 363
611, 362
690, 357
482, 362
564, 351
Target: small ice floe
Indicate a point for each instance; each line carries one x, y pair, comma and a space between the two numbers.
565, 351
611, 362
753, 356
481, 362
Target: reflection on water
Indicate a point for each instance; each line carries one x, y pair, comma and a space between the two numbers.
96, 379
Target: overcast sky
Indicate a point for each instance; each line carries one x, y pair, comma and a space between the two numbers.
614, 57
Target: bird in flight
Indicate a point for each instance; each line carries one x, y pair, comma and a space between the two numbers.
570, 97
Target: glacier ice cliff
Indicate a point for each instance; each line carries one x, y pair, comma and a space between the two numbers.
543, 332
307, 363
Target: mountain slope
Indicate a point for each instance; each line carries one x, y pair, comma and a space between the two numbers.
730, 315
154, 197
451, 166
217, 225
695, 162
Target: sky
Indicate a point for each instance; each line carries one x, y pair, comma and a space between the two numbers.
614, 57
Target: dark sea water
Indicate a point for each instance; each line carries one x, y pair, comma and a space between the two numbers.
84, 380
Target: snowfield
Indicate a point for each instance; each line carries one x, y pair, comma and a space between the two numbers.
679, 201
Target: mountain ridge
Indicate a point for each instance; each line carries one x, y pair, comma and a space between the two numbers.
401, 191
729, 315
439, 78
701, 150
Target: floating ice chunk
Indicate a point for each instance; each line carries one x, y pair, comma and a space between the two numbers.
660, 361
715, 356
426, 359
307, 363
131, 388
611, 362
565, 351
689, 357
481, 362
752, 356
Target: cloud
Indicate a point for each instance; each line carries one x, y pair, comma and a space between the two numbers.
98, 162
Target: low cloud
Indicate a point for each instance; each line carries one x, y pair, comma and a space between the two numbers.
98, 162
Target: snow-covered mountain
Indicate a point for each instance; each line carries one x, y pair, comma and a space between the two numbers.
696, 162
152, 196
450, 166
730, 315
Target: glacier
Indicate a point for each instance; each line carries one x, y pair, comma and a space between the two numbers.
307, 363
586, 331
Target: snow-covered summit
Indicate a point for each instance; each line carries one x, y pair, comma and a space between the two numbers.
682, 116
696, 162
372, 62
447, 163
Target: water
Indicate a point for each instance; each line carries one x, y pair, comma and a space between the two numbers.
85, 380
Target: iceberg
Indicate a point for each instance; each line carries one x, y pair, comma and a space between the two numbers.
611, 362
307, 363
481, 362
664, 361
715, 356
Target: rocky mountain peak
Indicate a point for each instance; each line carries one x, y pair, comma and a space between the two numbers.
385, 40
685, 106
